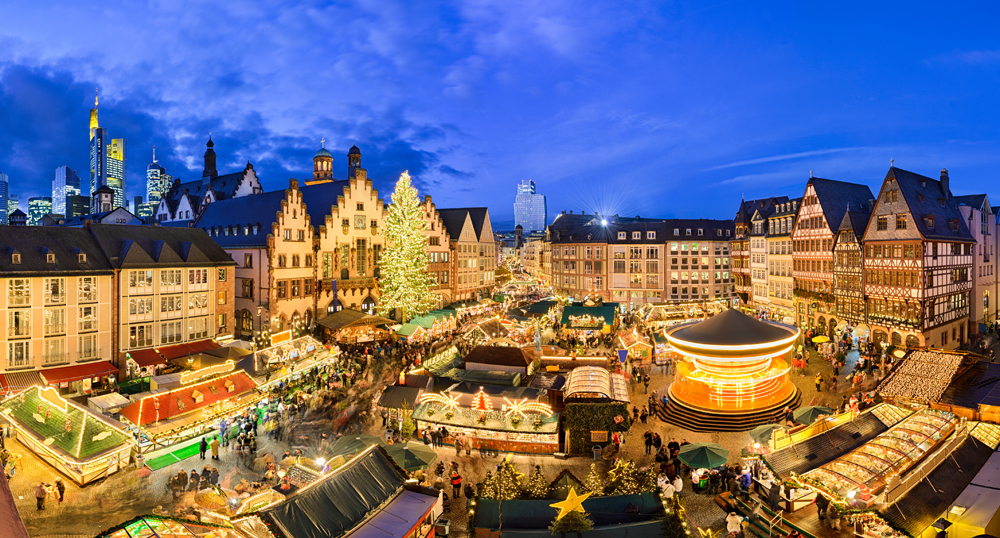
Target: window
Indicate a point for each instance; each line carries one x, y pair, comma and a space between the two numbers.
282, 289
900, 221
54, 290
170, 332
327, 265
295, 288
247, 288
307, 286
222, 297
197, 276
248, 260
86, 289
15, 259
86, 347
222, 274
687, 231
295, 260
18, 292
701, 231
81, 257
222, 322
54, 321
140, 306
361, 206
54, 351
18, 323
18, 354
197, 328
346, 223
140, 336
170, 277
287, 234
882, 223
621, 235
362, 256
86, 320
197, 301
301, 235
50, 258
636, 235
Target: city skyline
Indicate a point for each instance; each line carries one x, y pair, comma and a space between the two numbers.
473, 119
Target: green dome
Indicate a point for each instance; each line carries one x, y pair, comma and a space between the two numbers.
323, 152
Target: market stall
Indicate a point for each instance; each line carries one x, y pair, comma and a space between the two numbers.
191, 407
153, 526
669, 314
640, 351
351, 326
286, 350
499, 423
81, 379
83, 445
585, 319
486, 331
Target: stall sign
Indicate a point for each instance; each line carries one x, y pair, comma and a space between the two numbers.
310, 347
619, 419
282, 337
51, 395
294, 354
87, 385
622, 355
598, 436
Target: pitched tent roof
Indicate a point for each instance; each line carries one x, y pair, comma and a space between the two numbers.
834, 197
538, 514
732, 328
351, 318
926, 200
143, 246
336, 504
181, 402
606, 311
497, 355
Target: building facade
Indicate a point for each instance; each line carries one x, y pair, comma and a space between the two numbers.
981, 219
918, 263
473, 252
848, 266
823, 206
57, 300
780, 279
758, 255
701, 246
38, 207
740, 244
117, 170
66, 184
158, 182
439, 253
186, 201
530, 209
108, 163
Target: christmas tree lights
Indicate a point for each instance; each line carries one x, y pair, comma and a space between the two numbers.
538, 487
594, 483
403, 281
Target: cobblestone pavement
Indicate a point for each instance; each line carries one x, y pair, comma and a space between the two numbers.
95, 507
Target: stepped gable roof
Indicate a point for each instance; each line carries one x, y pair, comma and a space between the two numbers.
732, 328
143, 246
33, 243
834, 196
261, 210
925, 197
975, 201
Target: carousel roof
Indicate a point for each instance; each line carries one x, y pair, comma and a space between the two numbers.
732, 328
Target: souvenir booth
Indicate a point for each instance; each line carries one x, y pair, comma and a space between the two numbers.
412, 333
352, 327
586, 319
640, 351
491, 421
83, 445
190, 407
287, 350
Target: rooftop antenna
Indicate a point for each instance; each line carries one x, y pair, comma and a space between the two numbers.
154, 154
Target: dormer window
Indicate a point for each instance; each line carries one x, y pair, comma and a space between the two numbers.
621, 235
687, 231
636, 235
929, 221
50, 258
727, 233
942, 200
701, 231
954, 225
650, 235
677, 231
15, 259
81, 257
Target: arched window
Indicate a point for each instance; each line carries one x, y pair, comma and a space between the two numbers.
246, 322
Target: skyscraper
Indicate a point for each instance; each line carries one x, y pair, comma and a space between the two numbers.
4, 192
66, 183
11, 204
77, 205
38, 207
530, 211
158, 182
107, 161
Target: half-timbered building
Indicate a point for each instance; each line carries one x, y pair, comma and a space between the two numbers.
848, 265
740, 245
976, 211
823, 206
918, 263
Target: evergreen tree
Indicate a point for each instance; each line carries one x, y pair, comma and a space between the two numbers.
573, 522
594, 483
624, 478
505, 485
488, 491
403, 279
538, 486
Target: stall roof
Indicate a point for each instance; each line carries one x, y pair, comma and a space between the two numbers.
540, 308
606, 312
584, 380
408, 329
977, 384
822, 449
498, 355
190, 348
18, 381
538, 514
923, 375
108, 401
336, 504
182, 401
65, 374
396, 397
148, 526
980, 497
146, 357
10, 518
479, 377
348, 318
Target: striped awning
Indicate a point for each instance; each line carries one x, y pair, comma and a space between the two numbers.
17, 381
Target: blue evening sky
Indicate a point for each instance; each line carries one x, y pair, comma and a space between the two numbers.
671, 109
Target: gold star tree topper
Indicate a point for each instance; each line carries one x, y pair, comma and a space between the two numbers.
573, 503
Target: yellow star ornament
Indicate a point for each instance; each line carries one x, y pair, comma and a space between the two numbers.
573, 503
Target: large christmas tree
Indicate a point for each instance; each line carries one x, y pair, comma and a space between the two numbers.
403, 279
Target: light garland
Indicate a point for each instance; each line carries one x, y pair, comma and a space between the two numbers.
524, 406
449, 402
404, 282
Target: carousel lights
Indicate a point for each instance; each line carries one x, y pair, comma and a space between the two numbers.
790, 340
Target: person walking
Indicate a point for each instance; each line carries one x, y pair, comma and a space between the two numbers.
60, 488
834, 517
214, 477
40, 494
657, 442
193, 480
821, 505
456, 484
203, 446
645, 383
182, 481
819, 382
215, 448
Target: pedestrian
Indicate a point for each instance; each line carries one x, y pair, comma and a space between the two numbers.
648, 439
215, 448
214, 477
203, 446
819, 382
469, 494
733, 523
833, 383
40, 494
645, 383
774, 496
834, 516
206, 477
193, 480
456, 484
657, 441
821, 505
182, 480
60, 488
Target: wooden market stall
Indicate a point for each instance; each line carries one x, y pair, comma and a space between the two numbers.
638, 347
83, 445
350, 326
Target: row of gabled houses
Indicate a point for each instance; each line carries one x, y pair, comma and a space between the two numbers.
914, 264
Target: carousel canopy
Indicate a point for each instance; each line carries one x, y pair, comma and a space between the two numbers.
732, 328
348, 318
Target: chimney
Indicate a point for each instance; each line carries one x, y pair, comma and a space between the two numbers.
945, 183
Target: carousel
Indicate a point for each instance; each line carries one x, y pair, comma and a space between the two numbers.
733, 371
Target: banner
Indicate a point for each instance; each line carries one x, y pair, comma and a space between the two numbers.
622, 354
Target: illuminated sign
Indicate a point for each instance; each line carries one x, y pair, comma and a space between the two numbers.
188, 377
449, 402
51, 396
282, 337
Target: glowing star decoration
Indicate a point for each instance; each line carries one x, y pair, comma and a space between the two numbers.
449, 402
573, 503
524, 406
481, 402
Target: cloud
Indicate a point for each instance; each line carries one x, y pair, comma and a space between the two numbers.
786, 157
971, 57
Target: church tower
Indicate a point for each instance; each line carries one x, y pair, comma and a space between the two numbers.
210, 170
353, 162
323, 163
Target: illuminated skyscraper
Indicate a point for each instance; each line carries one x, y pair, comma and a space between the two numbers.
107, 161
158, 182
4, 191
66, 183
11, 204
530, 210
38, 207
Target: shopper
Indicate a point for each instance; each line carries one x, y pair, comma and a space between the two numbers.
215, 448
40, 494
203, 446
60, 488
456, 484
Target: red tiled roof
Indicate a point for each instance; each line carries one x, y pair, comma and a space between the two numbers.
181, 350
77, 372
146, 357
181, 401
